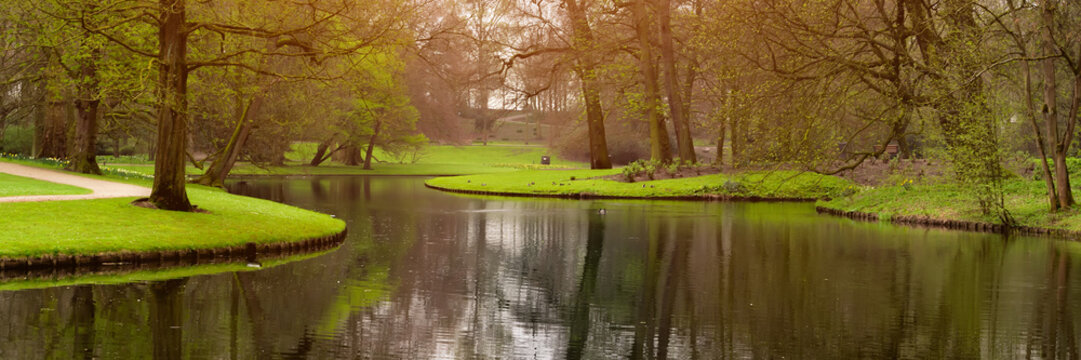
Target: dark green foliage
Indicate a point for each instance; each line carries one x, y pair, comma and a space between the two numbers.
734, 187
17, 140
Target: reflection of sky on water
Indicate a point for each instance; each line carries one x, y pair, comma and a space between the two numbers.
432, 275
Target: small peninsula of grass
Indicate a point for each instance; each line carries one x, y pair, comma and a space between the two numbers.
768, 185
1025, 199
12, 185
81, 227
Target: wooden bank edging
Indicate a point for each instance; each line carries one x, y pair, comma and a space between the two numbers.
965, 225
249, 252
591, 196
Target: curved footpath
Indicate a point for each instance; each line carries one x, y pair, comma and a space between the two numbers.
100, 189
70, 248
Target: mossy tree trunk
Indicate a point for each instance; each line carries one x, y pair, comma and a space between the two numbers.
352, 155
52, 136
84, 153
676, 107
1060, 142
225, 160
658, 131
586, 69
169, 190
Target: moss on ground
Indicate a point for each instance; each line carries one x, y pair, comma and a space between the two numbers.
12, 185
765, 184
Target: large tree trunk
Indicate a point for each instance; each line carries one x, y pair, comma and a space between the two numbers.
583, 43
371, 145
598, 142
1059, 144
52, 134
84, 153
676, 106
658, 132
50, 130
352, 155
169, 183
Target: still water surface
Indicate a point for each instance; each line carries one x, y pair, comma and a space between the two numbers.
430, 275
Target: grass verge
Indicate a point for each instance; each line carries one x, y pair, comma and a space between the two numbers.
81, 227
434, 160
12, 185
1025, 199
775, 185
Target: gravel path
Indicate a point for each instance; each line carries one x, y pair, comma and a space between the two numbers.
100, 188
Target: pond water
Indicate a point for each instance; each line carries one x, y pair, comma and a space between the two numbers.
430, 275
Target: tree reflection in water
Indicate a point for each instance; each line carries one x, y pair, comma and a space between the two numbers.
579, 322
432, 275
167, 318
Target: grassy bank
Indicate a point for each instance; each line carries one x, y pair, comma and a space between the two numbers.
433, 160
767, 185
11, 185
1025, 199
104, 225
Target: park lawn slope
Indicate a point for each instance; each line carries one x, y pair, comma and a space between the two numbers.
1026, 201
83, 227
773, 185
13, 185
436, 160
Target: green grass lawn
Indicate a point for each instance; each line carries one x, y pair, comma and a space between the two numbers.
11, 185
102, 225
434, 160
775, 184
1025, 199
126, 159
